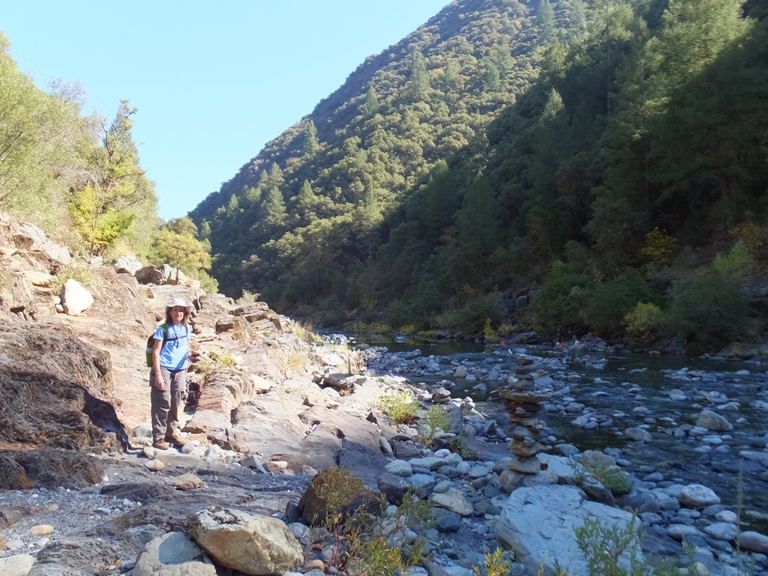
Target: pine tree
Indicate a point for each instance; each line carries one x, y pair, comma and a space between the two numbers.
492, 79
371, 105
419, 76
311, 143
274, 209
545, 21
306, 202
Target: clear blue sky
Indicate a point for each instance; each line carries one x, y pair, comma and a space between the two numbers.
213, 82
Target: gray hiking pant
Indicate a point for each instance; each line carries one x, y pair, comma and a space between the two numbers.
167, 402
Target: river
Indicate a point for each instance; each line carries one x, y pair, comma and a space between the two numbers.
662, 394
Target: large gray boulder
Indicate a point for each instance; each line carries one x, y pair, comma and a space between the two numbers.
250, 543
18, 565
173, 555
712, 421
537, 524
753, 541
30, 237
127, 264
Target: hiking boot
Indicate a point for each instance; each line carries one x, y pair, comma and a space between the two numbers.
176, 439
161, 445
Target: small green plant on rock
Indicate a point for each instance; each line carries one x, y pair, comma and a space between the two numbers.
614, 550
496, 564
435, 419
610, 476
460, 446
402, 407
79, 272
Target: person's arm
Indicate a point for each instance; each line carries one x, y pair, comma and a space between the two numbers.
156, 363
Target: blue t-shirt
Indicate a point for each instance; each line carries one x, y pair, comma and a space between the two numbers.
173, 355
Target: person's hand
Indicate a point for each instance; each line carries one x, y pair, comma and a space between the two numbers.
194, 354
159, 383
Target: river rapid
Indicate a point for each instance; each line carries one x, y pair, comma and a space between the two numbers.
603, 397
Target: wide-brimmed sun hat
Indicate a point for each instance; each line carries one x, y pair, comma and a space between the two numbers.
177, 302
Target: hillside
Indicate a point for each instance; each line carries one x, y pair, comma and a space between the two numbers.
612, 147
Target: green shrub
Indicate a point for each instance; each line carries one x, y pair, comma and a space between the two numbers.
605, 546
709, 309
496, 564
460, 446
563, 297
401, 407
609, 302
80, 272
435, 419
737, 263
643, 320
610, 476
472, 317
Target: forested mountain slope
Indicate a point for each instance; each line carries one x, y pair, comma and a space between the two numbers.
605, 148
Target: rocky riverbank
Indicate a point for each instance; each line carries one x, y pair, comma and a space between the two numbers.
82, 491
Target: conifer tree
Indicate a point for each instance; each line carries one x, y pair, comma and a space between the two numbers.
371, 102
306, 201
545, 20
492, 79
419, 76
274, 209
311, 143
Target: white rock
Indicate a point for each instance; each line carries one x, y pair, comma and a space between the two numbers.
698, 496
173, 555
75, 298
18, 565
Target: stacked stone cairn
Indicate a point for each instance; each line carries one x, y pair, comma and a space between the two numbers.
523, 402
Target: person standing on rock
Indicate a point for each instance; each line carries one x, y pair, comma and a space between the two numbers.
168, 376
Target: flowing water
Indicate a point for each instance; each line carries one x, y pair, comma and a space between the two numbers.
631, 390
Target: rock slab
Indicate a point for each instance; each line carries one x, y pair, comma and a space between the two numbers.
537, 524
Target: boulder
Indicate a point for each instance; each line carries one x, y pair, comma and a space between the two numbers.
250, 543
753, 541
74, 298
453, 500
698, 496
638, 434
173, 555
127, 264
334, 487
186, 481
537, 524
712, 421
30, 237
18, 565
394, 487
